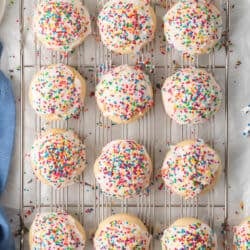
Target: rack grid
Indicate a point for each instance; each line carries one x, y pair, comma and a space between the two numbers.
157, 208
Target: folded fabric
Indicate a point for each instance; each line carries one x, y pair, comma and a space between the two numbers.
6, 239
7, 133
7, 127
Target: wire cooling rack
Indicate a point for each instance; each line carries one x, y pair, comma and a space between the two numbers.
157, 208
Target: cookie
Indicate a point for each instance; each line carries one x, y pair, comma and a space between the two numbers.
57, 157
189, 233
193, 27
191, 168
124, 94
122, 231
56, 230
123, 169
61, 25
191, 96
126, 26
241, 238
57, 92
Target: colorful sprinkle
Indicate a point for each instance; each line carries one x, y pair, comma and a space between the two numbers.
190, 167
193, 26
246, 131
193, 236
242, 235
56, 231
126, 26
191, 96
58, 157
120, 234
246, 109
124, 94
61, 25
123, 169
57, 92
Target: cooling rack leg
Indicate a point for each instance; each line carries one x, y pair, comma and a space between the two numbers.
21, 203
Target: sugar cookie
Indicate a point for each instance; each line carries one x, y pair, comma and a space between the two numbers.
190, 168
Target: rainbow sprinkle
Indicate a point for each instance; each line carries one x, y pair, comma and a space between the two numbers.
125, 93
61, 25
190, 167
56, 231
57, 92
193, 236
193, 26
120, 235
123, 169
242, 236
126, 26
58, 157
191, 96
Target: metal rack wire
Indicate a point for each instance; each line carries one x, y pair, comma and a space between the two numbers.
149, 206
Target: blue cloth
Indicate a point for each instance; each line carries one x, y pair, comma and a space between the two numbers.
7, 134
6, 239
7, 128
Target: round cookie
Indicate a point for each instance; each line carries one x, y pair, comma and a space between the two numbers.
193, 27
126, 26
58, 157
56, 230
242, 235
191, 168
123, 169
57, 92
189, 233
122, 231
61, 25
124, 94
191, 96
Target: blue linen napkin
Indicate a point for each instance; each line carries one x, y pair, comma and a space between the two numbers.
7, 128
7, 134
6, 239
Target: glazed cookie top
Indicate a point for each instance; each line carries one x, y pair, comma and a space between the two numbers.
123, 169
193, 26
121, 232
191, 96
242, 235
56, 230
126, 26
190, 167
193, 236
57, 92
124, 94
58, 156
61, 24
